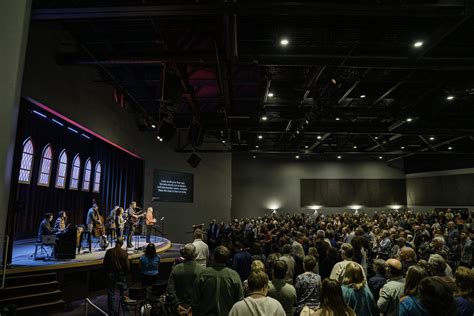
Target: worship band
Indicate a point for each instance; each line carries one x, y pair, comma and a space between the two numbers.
134, 221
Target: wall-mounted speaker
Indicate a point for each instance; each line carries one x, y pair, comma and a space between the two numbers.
194, 160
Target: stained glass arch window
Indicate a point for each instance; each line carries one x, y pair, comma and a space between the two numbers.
62, 169
26, 164
75, 170
86, 181
45, 166
97, 174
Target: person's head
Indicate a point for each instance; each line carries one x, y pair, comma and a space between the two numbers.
48, 216
62, 214
257, 265
347, 251
258, 281
379, 266
188, 252
120, 211
221, 254
313, 251
309, 262
197, 234
238, 245
333, 253
119, 242
414, 276
451, 225
95, 207
407, 254
133, 204
438, 242
150, 250
354, 276
332, 299
394, 268
464, 278
437, 297
437, 264
149, 210
279, 269
286, 249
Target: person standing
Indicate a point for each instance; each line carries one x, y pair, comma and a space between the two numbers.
339, 269
132, 214
391, 292
242, 261
217, 288
332, 301
119, 222
202, 250
150, 222
280, 290
290, 262
182, 275
355, 291
116, 265
307, 286
149, 263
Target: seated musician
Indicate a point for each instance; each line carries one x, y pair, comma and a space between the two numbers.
60, 224
45, 226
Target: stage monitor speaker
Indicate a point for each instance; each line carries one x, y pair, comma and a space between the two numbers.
166, 130
194, 160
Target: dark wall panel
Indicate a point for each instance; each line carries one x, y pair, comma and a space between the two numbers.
452, 190
343, 192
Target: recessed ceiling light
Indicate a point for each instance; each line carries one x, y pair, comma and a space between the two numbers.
256, 146
223, 141
432, 138
306, 146
306, 121
450, 97
362, 96
409, 119
380, 157
355, 147
270, 94
153, 126
450, 148
337, 118
376, 137
339, 157
333, 81
403, 147
284, 41
260, 136
418, 44
254, 157
297, 132
297, 157
318, 137
264, 118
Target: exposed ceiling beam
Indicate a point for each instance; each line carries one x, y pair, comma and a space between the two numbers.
444, 9
319, 141
371, 129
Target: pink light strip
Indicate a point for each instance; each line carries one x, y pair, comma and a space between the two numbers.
46, 108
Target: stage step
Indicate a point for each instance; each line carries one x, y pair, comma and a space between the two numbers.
33, 294
20, 290
42, 309
29, 279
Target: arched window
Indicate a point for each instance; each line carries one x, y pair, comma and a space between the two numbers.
62, 168
76, 168
26, 161
45, 166
86, 182
98, 171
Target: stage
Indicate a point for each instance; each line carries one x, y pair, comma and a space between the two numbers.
23, 256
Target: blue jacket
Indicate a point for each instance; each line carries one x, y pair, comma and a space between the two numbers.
361, 301
241, 263
411, 306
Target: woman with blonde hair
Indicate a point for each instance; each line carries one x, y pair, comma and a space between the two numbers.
356, 293
256, 266
464, 296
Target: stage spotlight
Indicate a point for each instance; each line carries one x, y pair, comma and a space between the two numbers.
450, 97
284, 42
270, 94
380, 157
450, 148
339, 157
409, 119
264, 118
362, 96
318, 137
153, 126
223, 141
306, 146
355, 147
256, 146
338, 119
297, 157
254, 157
403, 147
260, 136
432, 138
418, 44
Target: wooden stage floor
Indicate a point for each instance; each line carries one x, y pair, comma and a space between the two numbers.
23, 256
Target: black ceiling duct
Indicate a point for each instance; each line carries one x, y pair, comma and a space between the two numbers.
166, 130
194, 160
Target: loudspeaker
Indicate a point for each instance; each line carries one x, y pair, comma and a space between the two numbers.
194, 160
166, 130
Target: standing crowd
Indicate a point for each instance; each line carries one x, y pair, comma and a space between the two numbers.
392, 263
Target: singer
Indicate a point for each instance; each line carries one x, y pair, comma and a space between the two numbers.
150, 222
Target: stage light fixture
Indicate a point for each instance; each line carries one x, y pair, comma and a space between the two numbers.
338, 119
270, 94
153, 126
318, 137
256, 146
450, 148
260, 136
223, 141
380, 157
418, 44
284, 42
362, 96
376, 137
297, 157
306, 146
264, 118
403, 147
339, 157
409, 119
432, 138
355, 147
298, 132
254, 157
450, 97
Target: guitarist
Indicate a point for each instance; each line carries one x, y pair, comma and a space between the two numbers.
133, 215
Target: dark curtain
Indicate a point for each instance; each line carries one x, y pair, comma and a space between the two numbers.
121, 177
